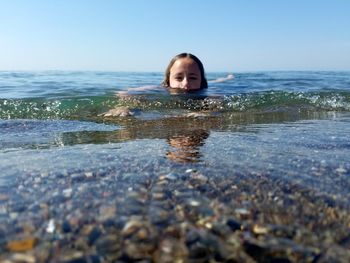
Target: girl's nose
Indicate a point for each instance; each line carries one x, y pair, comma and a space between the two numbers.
185, 84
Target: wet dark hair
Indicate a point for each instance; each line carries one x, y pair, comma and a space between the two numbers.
166, 80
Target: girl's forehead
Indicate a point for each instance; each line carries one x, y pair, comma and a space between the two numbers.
184, 63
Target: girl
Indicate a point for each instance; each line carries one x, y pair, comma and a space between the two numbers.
184, 74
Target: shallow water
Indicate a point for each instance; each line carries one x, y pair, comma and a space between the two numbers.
260, 132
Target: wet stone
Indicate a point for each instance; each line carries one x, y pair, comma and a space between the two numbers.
66, 227
76, 260
233, 224
280, 249
164, 204
21, 245
94, 235
345, 241
171, 250
25, 258
336, 254
169, 177
282, 231
220, 230
131, 207
3, 197
192, 237
159, 216
77, 177
108, 245
112, 223
18, 207
151, 217
72, 256
198, 253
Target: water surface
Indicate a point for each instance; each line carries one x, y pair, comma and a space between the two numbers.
268, 148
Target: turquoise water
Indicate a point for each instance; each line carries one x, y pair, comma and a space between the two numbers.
286, 128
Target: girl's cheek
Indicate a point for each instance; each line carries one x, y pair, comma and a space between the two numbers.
174, 84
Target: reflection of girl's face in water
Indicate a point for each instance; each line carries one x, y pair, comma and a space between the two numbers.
186, 148
185, 75
184, 151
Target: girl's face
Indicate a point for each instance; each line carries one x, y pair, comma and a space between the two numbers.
185, 75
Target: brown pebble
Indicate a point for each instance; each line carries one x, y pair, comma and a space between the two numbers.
24, 258
3, 197
21, 245
260, 230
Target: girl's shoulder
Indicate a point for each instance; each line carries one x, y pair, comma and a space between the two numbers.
141, 90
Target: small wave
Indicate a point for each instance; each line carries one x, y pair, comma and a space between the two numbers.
70, 108
284, 100
254, 101
67, 108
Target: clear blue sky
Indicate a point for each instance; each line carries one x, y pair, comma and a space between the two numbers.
143, 35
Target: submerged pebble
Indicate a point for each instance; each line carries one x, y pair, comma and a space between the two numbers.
21, 245
170, 217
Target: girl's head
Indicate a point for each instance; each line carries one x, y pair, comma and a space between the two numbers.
185, 72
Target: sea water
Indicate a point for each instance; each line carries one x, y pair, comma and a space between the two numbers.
291, 127
282, 122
